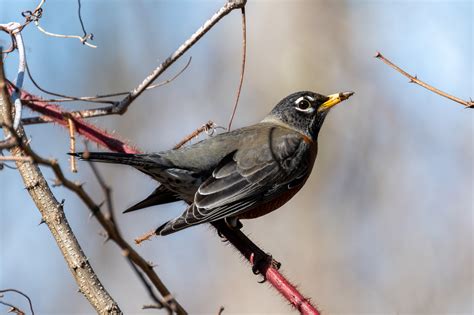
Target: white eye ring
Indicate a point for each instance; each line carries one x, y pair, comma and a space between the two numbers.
304, 105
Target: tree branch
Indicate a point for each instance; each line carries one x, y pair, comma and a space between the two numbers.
414, 79
231, 5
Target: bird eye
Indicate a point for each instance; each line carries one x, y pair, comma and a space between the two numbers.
304, 104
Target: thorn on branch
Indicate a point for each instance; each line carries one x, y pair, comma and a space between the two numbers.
57, 183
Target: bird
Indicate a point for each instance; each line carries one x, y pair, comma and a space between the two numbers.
240, 174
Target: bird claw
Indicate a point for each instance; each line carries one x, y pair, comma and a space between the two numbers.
261, 263
223, 238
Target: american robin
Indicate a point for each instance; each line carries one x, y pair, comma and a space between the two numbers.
241, 174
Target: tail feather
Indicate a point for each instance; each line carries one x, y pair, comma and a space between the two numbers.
159, 196
116, 158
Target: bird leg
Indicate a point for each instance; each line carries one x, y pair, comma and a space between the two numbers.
260, 260
234, 223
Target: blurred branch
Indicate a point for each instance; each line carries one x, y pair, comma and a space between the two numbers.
20, 293
52, 211
414, 79
231, 5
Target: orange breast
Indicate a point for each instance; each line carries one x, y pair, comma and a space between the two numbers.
271, 205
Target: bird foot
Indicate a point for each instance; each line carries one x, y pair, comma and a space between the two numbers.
260, 263
234, 223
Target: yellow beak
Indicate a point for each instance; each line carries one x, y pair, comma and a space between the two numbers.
334, 99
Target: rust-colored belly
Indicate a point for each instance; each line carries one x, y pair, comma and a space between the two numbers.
271, 205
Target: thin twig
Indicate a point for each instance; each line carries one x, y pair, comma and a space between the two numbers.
231, 5
145, 237
242, 69
414, 79
210, 125
72, 144
82, 39
160, 304
22, 294
91, 36
13, 308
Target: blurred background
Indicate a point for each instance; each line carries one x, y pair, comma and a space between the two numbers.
383, 225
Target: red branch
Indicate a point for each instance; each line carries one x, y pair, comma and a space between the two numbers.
241, 242
85, 129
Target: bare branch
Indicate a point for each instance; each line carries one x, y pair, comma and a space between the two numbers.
414, 79
231, 5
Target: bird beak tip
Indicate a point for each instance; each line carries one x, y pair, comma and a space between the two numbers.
335, 99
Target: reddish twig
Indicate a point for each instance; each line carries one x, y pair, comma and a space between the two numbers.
58, 115
414, 79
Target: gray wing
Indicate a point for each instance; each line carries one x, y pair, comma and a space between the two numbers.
254, 174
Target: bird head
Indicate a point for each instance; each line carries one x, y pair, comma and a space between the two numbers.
305, 111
